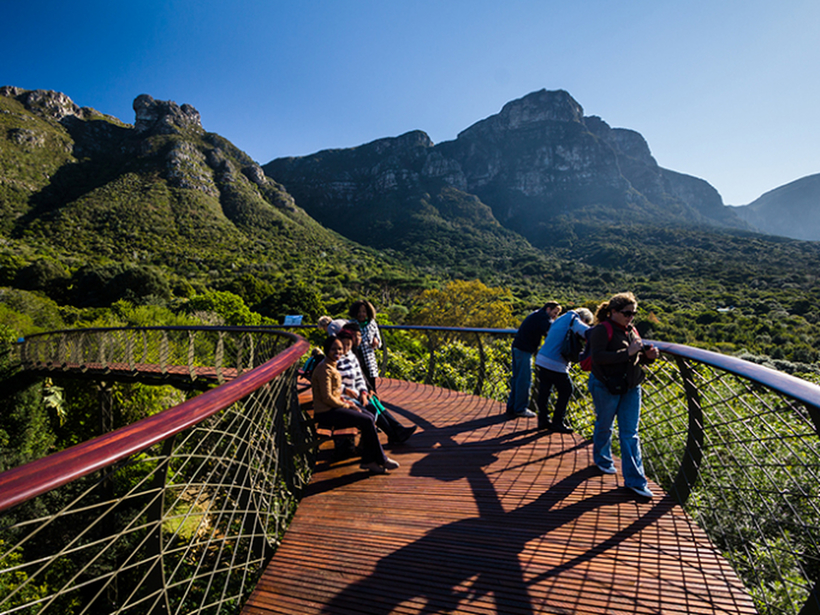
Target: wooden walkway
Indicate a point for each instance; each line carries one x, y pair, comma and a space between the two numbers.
487, 515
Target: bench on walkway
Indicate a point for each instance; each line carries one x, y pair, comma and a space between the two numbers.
344, 440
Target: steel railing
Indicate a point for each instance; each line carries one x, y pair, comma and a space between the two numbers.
176, 513
735, 443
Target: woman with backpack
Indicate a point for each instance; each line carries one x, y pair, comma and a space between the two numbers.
618, 354
553, 368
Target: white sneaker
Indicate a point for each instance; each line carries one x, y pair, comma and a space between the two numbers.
391, 464
643, 491
609, 470
526, 414
373, 468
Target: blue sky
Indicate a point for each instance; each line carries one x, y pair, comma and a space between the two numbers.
724, 90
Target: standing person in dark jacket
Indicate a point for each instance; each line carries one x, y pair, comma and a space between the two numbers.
615, 385
524, 346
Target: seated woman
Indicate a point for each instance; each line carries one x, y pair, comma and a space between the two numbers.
355, 387
331, 410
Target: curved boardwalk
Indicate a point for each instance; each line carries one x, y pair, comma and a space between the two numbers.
488, 516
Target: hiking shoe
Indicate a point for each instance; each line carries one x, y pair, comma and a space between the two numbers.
390, 464
609, 470
526, 414
403, 434
373, 468
643, 491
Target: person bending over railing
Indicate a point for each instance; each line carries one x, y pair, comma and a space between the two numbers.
331, 410
354, 387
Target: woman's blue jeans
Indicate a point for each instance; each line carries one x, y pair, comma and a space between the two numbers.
627, 408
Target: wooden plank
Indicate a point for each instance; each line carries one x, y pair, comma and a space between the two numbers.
487, 515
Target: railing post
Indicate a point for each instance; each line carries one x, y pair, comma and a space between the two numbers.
164, 352
105, 395
191, 370
431, 363
101, 358
62, 351
129, 351
693, 455
482, 366
383, 368
155, 578
219, 356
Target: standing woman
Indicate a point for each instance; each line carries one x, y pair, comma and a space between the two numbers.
331, 410
615, 385
553, 369
363, 313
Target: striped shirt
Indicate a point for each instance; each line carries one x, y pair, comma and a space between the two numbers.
352, 376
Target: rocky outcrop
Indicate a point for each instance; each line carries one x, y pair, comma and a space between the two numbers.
536, 163
51, 105
164, 117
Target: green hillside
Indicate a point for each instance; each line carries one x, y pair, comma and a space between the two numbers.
82, 192
160, 221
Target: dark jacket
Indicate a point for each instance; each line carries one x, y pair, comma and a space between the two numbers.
610, 358
532, 330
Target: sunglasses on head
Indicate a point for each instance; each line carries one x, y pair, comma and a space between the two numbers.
628, 313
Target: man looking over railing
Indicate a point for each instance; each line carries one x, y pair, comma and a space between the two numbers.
526, 343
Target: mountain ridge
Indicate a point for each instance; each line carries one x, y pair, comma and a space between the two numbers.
537, 164
96, 212
791, 210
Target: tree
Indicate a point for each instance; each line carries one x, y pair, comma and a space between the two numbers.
462, 304
465, 304
228, 307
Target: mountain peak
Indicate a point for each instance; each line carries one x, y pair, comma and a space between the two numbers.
164, 116
532, 110
540, 106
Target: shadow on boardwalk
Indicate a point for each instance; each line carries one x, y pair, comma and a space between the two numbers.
489, 516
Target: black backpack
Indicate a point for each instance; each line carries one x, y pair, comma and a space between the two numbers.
573, 344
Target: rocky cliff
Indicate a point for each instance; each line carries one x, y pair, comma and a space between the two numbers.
79, 178
534, 168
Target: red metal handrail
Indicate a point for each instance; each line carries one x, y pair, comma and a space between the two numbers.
32, 479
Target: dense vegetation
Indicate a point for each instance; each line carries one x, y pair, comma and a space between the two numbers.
103, 226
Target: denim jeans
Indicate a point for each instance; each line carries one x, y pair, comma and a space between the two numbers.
627, 408
521, 382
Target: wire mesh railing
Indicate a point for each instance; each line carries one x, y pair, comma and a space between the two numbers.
735, 443
183, 525
177, 513
207, 354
